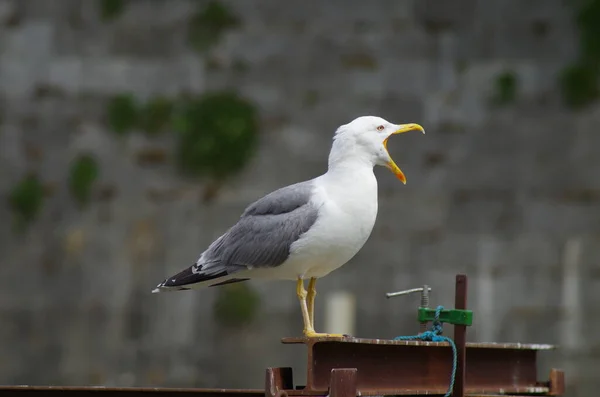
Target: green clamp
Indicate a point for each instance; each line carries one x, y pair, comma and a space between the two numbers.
452, 316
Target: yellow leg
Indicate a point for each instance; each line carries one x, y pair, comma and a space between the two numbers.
312, 292
301, 292
309, 309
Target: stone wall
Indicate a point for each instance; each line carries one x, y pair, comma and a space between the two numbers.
505, 186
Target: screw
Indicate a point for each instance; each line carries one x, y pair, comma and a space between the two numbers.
424, 303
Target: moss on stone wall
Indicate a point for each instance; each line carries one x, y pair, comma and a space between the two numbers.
578, 82
506, 88
217, 134
111, 9
208, 25
579, 85
155, 115
26, 200
236, 305
359, 61
588, 24
125, 113
122, 113
83, 174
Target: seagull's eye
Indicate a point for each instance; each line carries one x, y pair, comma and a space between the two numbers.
380, 128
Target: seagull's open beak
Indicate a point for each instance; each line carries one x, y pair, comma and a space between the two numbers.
391, 165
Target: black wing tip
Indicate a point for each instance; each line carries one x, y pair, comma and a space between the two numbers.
189, 277
164, 287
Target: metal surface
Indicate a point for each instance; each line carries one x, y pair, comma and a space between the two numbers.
277, 380
50, 391
425, 296
343, 383
471, 345
424, 305
414, 367
448, 316
556, 382
405, 292
460, 339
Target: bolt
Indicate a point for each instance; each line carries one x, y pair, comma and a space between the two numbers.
424, 303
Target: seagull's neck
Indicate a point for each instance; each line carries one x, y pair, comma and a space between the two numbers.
347, 159
350, 180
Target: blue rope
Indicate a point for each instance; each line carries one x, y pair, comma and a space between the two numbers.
434, 335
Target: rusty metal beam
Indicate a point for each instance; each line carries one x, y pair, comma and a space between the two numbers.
51, 391
277, 380
412, 367
378, 367
556, 382
343, 383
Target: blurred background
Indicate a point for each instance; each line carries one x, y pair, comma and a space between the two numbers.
134, 133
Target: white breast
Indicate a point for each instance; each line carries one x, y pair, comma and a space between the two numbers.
348, 209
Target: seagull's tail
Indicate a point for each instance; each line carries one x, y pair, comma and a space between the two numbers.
191, 278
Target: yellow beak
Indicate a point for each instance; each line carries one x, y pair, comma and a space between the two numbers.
391, 165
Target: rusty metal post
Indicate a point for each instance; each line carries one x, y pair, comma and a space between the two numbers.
343, 382
557, 382
460, 336
277, 380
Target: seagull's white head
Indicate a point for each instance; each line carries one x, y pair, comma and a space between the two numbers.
365, 139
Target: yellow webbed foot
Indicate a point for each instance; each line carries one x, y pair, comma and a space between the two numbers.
313, 334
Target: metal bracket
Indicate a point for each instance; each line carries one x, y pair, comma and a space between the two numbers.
452, 316
425, 314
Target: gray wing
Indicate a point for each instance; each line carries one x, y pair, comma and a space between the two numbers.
261, 238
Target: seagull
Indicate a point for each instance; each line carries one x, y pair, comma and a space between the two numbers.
306, 230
